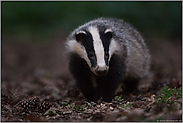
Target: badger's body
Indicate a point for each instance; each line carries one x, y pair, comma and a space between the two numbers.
103, 53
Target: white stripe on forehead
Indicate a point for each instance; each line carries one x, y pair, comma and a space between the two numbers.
98, 46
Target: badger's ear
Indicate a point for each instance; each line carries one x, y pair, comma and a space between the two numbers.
108, 33
80, 36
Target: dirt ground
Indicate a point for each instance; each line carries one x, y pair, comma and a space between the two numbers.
37, 86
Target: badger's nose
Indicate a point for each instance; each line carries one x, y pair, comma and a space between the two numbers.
101, 71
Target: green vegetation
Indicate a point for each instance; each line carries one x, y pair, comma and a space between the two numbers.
129, 104
168, 95
64, 103
50, 113
89, 104
143, 99
118, 98
46, 18
79, 108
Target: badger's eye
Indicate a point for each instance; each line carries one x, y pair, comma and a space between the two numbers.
106, 55
91, 55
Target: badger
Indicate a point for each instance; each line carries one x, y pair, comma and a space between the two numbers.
105, 52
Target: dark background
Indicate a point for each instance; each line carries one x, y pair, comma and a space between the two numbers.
46, 18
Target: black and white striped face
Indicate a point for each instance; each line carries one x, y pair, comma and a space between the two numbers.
96, 46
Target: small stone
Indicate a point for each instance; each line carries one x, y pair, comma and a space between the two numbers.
111, 108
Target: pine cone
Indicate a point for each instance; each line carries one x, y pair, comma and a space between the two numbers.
44, 106
30, 103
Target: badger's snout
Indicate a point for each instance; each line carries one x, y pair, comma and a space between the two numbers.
101, 70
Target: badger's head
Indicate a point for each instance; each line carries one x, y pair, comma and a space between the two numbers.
96, 46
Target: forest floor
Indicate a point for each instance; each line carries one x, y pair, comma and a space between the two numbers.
37, 86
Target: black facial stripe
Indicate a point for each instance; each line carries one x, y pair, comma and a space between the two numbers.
88, 44
106, 42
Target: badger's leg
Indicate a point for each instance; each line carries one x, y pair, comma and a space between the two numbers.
86, 87
130, 84
82, 75
145, 83
106, 88
139, 84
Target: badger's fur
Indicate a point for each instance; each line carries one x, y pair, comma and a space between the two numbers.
103, 53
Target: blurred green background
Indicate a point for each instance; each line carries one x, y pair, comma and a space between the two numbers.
43, 19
